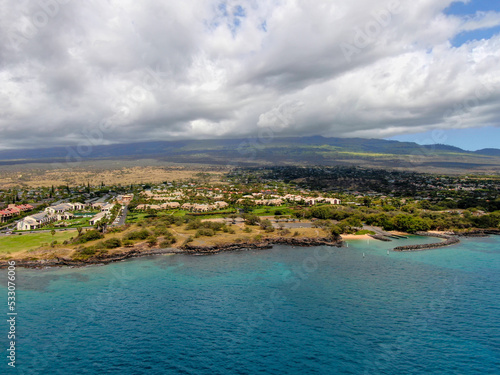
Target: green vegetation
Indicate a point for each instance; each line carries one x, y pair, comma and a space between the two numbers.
15, 243
138, 235
364, 231
90, 235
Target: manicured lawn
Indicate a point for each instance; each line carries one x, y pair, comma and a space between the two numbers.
15, 243
135, 217
73, 223
261, 211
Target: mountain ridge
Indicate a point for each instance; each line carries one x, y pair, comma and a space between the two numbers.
279, 150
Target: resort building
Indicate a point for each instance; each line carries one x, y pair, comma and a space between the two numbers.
36, 221
13, 210
97, 218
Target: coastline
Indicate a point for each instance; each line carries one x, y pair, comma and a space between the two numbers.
450, 238
448, 241
137, 252
350, 237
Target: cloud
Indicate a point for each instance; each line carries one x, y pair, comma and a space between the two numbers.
155, 70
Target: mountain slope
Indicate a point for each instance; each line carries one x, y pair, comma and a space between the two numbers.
284, 150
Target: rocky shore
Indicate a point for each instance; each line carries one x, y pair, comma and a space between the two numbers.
264, 244
59, 262
478, 233
380, 237
187, 249
449, 240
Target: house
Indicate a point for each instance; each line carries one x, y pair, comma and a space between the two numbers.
332, 200
202, 207
35, 221
60, 208
97, 218
5, 215
78, 206
187, 206
13, 210
25, 207
221, 204
124, 199
170, 205
107, 207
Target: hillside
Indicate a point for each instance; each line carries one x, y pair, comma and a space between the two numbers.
314, 150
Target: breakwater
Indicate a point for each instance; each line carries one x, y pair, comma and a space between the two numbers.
448, 241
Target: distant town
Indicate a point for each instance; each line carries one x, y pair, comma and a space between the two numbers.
244, 206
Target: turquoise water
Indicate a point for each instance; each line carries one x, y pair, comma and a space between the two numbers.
281, 311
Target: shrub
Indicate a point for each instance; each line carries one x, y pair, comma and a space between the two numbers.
188, 240
284, 232
168, 241
267, 226
161, 230
112, 243
251, 219
137, 235
152, 240
90, 235
116, 230
205, 232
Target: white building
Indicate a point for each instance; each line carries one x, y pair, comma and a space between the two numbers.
97, 218
36, 221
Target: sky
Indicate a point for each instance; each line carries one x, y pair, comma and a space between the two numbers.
74, 73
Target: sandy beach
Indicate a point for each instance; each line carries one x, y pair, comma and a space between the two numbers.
347, 237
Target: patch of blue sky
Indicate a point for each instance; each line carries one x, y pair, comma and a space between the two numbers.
468, 9
470, 139
461, 9
223, 9
468, 36
239, 11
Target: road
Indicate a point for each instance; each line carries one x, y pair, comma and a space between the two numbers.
123, 217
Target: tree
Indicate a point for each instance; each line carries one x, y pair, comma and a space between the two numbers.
251, 219
267, 225
367, 201
52, 232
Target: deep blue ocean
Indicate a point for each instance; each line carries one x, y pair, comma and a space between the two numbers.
351, 310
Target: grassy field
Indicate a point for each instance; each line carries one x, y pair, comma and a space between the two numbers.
270, 210
73, 223
15, 243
